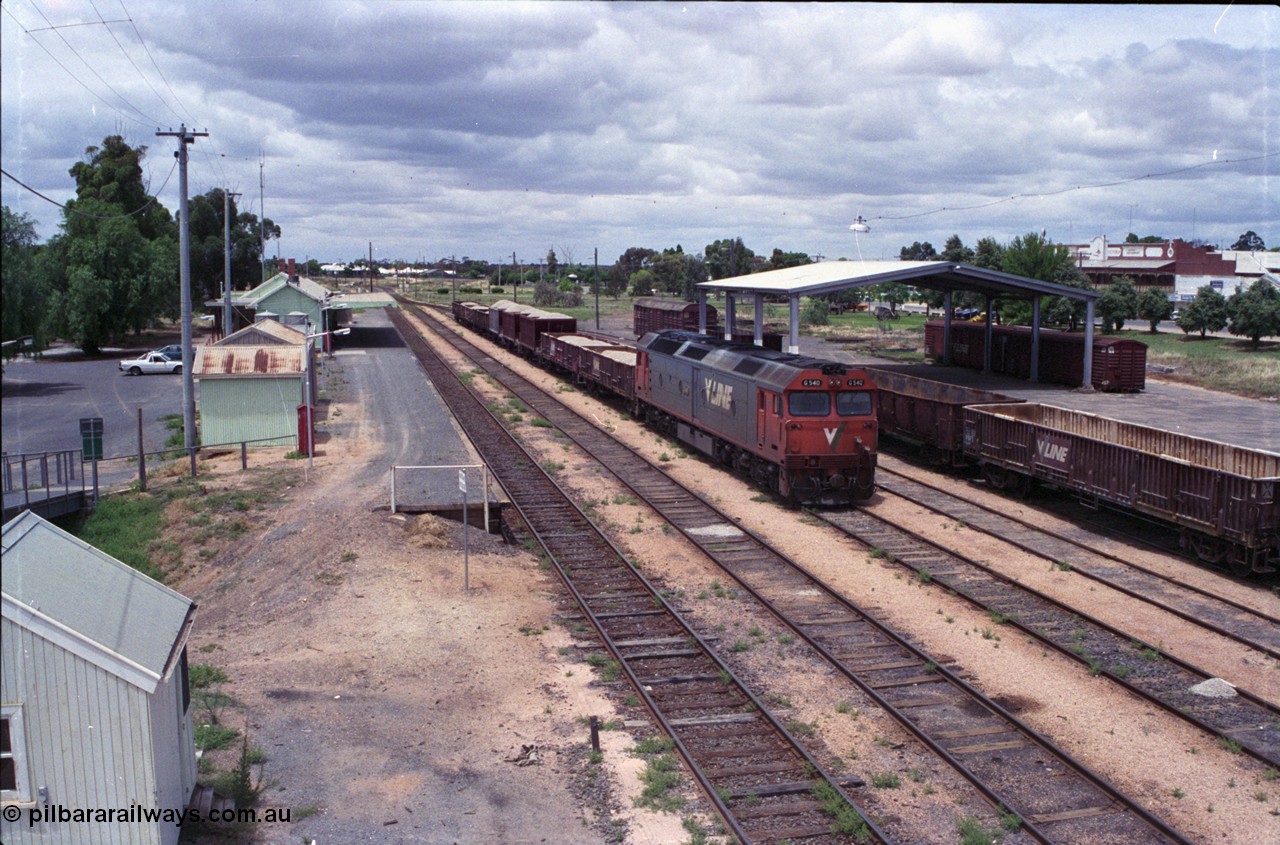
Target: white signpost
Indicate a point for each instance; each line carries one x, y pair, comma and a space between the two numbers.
466, 538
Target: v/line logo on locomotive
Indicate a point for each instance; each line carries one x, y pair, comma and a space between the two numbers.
833, 435
718, 395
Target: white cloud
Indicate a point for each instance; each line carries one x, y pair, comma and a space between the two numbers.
484, 128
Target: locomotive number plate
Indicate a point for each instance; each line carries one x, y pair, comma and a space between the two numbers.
811, 382
856, 382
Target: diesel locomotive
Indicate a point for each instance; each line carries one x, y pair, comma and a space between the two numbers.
799, 426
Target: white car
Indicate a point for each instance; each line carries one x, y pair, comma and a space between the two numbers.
152, 362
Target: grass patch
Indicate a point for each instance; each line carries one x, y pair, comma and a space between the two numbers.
215, 737
973, 832
661, 776
126, 527
1227, 363
203, 676
848, 822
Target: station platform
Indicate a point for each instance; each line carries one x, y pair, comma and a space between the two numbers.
1193, 411
406, 414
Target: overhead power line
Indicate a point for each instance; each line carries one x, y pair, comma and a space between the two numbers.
58, 31
64, 207
142, 75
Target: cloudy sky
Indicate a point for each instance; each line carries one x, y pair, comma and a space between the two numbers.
436, 129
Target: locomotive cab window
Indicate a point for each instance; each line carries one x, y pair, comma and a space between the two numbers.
809, 403
853, 403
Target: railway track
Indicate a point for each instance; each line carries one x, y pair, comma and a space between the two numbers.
1221, 615
1243, 722
764, 784
1058, 798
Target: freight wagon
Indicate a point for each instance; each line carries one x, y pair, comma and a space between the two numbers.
592, 361
1224, 498
1119, 364
649, 314
519, 326
928, 414
473, 315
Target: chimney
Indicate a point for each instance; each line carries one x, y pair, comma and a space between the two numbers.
281, 265
293, 270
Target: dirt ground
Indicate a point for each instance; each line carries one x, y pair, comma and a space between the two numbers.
394, 706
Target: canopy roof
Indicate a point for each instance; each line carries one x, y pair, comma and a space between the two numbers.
833, 276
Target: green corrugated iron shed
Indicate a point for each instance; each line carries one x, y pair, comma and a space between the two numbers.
250, 392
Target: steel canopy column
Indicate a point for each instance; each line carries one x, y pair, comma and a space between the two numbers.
730, 314
702, 311
759, 306
1088, 345
989, 335
1035, 338
946, 328
793, 326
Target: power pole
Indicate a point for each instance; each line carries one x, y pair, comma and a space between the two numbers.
516, 269
185, 137
226, 261
370, 266
597, 281
262, 209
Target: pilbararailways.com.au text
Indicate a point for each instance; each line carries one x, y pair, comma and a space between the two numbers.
59, 814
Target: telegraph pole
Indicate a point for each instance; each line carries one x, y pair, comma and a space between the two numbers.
262, 209
185, 136
226, 262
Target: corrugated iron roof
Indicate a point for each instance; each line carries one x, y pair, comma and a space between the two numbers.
274, 360
264, 332
91, 604
833, 276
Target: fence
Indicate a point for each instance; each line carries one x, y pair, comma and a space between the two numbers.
43, 475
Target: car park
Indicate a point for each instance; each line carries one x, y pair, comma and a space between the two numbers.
152, 362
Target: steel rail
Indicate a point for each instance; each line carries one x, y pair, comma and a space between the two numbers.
578, 429
1265, 720
533, 510
1260, 622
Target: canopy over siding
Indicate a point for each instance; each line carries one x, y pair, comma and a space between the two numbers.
828, 277
834, 276
91, 604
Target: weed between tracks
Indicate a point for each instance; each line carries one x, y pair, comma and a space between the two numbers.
848, 821
661, 775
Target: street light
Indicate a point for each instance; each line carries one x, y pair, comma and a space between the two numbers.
306, 390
